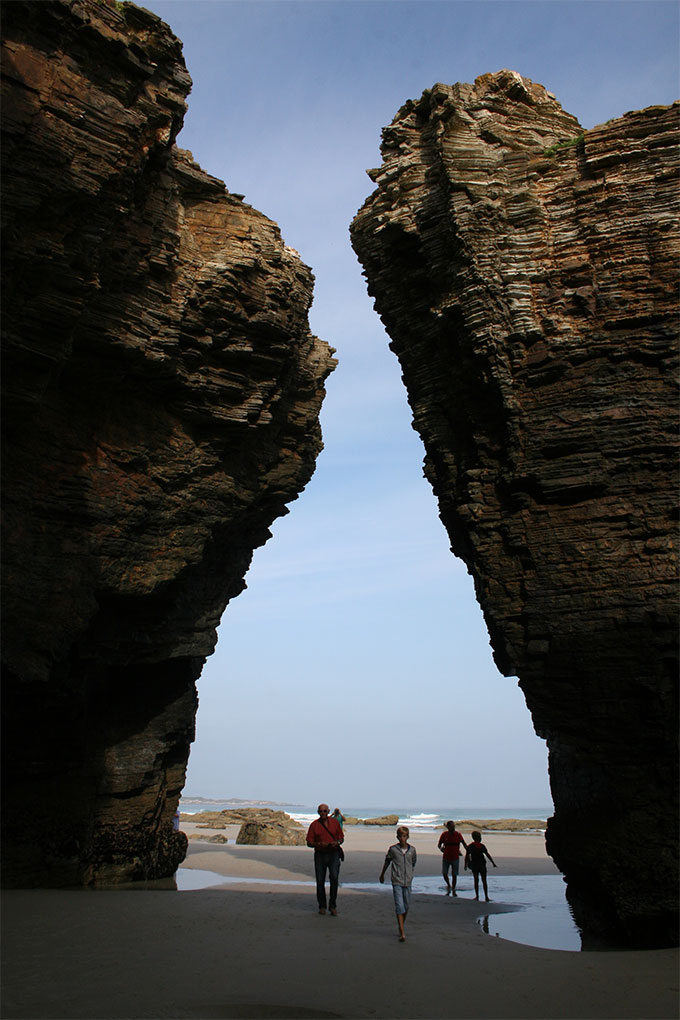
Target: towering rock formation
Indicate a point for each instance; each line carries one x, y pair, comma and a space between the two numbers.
161, 399
526, 272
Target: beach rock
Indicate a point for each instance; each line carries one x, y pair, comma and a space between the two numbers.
502, 824
526, 272
351, 820
381, 820
217, 838
271, 834
161, 396
237, 816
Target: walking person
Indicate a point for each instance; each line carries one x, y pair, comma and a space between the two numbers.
475, 861
325, 836
449, 844
401, 858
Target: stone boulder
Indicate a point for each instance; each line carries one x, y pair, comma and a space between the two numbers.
502, 824
271, 834
235, 816
381, 820
217, 838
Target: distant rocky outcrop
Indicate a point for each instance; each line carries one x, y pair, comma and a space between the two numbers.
217, 838
161, 396
235, 816
257, 826
526, 272
272, 834
380, 820
502, 824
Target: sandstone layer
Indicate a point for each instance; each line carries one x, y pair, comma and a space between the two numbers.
526, 272
236, 816
380, 820
218, 838
501, 824
271, 834
257, 826
161, 393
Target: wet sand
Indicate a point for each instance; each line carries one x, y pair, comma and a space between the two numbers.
262, 950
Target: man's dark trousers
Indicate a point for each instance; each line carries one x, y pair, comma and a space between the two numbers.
327, 860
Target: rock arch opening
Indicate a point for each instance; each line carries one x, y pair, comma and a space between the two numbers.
161, 402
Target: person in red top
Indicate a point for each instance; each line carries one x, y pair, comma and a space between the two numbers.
474, 860
449, 844
324, 835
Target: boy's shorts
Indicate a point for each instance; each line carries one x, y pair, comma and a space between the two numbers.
402, 898
453, 865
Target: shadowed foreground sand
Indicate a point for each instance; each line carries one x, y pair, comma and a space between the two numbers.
242, 950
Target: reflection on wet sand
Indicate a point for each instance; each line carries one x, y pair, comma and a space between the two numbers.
535, 913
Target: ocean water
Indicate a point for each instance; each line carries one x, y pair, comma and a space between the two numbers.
417, 818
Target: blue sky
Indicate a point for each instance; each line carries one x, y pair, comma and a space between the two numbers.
356, 666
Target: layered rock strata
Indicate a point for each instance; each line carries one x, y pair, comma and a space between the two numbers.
381, 820
256, 826
526, 272
237, 816
161, 394
271, 834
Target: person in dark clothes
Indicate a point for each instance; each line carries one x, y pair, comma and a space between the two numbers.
475, 860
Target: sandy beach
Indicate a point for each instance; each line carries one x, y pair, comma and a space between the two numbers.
260, 949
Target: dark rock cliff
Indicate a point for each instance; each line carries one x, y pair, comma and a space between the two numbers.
526, 272
161, 393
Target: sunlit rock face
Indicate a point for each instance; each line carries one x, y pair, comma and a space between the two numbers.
526, 272
161, 394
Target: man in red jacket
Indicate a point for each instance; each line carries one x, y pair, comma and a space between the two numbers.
325, 836
449, 844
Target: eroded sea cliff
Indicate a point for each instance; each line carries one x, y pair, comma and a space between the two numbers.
526, 272
161, 396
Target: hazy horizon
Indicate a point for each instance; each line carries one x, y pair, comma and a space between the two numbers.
425, 809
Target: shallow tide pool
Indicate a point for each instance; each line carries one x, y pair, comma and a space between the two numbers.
536, 912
